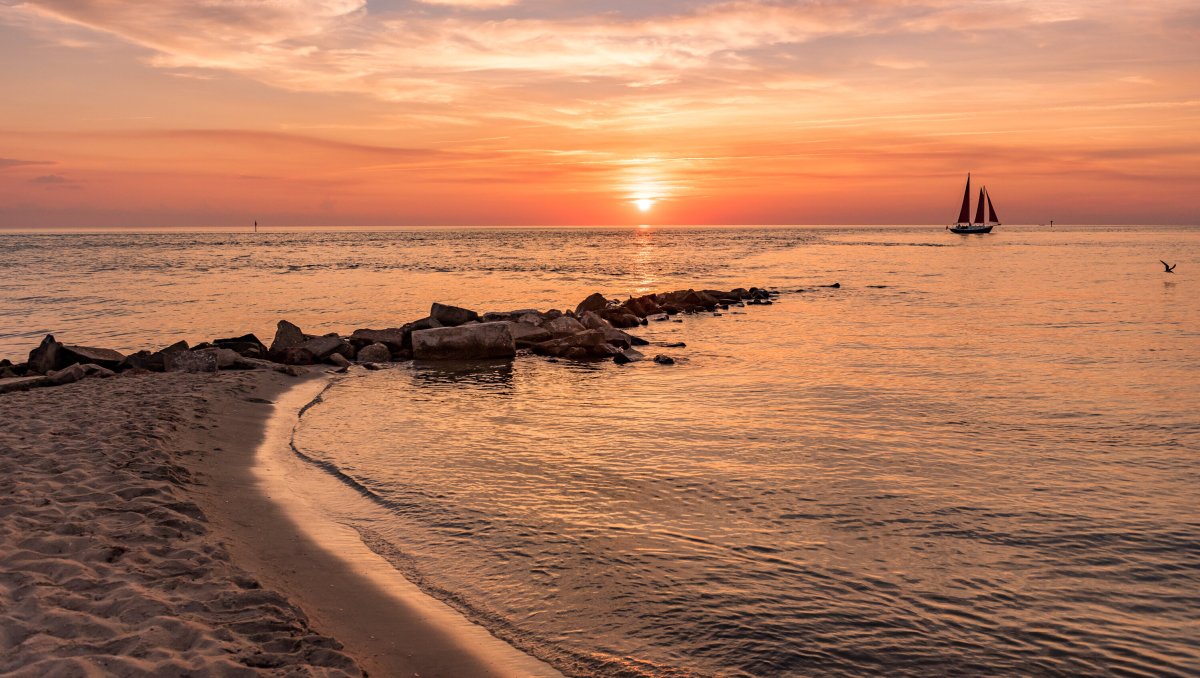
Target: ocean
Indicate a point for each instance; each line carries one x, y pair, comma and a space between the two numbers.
978, 455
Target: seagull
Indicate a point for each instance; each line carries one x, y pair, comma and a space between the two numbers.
1169, 268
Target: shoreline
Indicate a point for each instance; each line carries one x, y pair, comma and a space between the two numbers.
277, 530
137, 536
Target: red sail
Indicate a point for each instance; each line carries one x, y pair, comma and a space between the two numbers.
991, 211
965, 213
979, 209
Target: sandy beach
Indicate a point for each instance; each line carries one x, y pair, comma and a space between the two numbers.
136, 540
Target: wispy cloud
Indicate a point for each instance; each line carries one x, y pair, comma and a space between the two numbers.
5, 163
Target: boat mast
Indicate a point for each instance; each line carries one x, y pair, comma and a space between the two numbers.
979, 208
964, 214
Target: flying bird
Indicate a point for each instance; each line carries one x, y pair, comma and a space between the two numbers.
1169, 268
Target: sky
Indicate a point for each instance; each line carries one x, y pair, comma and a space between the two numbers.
210, 113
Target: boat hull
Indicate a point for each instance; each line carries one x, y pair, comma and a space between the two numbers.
967, 230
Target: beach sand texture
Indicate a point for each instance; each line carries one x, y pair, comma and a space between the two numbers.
108, 565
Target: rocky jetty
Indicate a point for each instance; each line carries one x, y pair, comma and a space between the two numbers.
594, 330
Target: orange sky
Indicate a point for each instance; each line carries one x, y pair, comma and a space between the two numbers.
347, 112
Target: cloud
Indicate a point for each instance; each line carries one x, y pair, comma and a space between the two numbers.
51, 179
472, 4
5, 163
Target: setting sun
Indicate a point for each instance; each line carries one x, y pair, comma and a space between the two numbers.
644, 204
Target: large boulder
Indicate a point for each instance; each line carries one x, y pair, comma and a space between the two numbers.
153, 361
46, 357
497, 316
287, 336
246, 345
594, 302
88, 355
77, 371
323, 347
563, 326
643, 306
375, 353
526, 335
622, 339
469, 342
620, 317
451, 316
591, 321
226, 358
190, 361
393, 338
589, 341
52, 355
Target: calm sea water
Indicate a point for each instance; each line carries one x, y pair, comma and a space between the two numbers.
979, 456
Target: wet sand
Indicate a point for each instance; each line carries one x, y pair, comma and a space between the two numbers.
151, 524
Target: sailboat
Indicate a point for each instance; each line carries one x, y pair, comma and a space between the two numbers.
965, 225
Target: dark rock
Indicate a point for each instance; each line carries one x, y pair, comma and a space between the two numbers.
740, 293
661, 318
23, 383
144, 360
591, 321
46, 357
225, 357
451, 316
338, 359
629, 355
498, 316
190, 361
292, 370
589, 341
296, 355
287, 336
594, 303
375, 353
664, 359
552, 314
526, 335
675, 344
576, 353
834, 285
322, 347
246, 345
643, 306
620, 317
563, 326
470, 342
373, 367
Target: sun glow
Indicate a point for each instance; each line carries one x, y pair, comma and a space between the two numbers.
644, 204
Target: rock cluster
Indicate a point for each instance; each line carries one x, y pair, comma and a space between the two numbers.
594, 330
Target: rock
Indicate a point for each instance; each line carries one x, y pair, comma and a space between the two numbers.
296, 355
551, 314
373, 366
143, 360
23, 383
374, 353
661, 318
498, 316
45, 358
88, 355
527, 335
642, 306
591, 342
629, 355
835, 285
563, 326
471, 342
451, 316
225, 357
740, 293
77, 371
620, 317
292, 370
664, 359
338, 359
246, 345
287, 336
594, 302
531, 319
675, 344
322, 347
190, 361
592, 321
